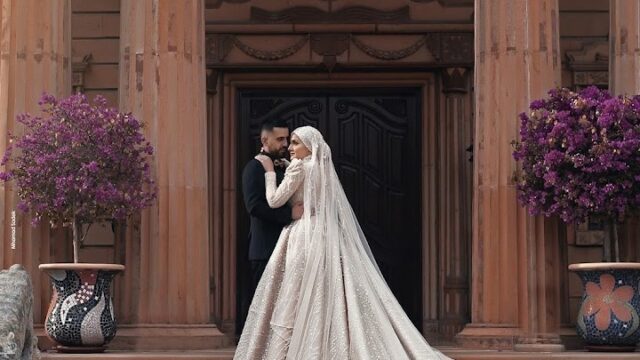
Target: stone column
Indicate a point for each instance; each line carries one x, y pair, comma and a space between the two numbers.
624, 47
624, 78
516, 60
34, 57
162, 81
456, 174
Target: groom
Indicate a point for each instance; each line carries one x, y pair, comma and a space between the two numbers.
266, 223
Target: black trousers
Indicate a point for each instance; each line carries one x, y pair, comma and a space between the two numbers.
256, 269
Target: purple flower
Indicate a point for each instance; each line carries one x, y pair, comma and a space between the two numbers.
76, 160
579, 155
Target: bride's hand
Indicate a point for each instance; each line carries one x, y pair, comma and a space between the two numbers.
266, 162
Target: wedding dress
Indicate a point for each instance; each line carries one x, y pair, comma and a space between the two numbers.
322, 295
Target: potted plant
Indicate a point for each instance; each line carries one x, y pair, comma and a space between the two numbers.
77, 164
580, 159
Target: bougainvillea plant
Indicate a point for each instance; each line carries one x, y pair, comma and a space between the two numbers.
580, 156
79, 163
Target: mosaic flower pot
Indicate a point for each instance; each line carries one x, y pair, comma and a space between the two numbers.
81, 317
608, 319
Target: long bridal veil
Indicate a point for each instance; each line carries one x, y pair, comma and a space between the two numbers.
345, 306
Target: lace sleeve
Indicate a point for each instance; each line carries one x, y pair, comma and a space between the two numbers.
278, 196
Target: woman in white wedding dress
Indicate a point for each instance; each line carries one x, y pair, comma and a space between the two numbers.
322, 295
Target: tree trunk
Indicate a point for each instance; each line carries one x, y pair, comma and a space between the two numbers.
616, 244
611, 251
77, 233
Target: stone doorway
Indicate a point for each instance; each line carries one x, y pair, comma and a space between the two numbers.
374, 136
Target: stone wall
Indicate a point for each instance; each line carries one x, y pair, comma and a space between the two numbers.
95, 32
17, 338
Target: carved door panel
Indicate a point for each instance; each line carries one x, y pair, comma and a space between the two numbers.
374, 137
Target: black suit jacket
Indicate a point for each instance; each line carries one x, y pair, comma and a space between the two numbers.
266, 223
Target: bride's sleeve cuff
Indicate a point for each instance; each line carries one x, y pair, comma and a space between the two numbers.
270, 176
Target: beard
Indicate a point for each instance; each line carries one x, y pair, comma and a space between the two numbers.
279, 153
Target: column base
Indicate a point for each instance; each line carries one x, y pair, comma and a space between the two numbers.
489, 336
159, 337
539, 348
541, 342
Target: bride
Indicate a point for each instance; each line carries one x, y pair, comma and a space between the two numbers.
322, 295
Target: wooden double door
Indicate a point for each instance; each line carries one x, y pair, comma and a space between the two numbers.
374, 135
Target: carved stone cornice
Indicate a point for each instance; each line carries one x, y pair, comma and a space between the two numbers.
389, 55
442, 49
347, 15
270, 55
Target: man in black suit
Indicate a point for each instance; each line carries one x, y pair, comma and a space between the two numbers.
266, 223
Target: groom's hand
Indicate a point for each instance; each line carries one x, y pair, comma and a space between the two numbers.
296, 211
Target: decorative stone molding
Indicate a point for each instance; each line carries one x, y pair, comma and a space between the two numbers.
79, 67
590, 65
456, 48
347, 15
454, 80
330, 46
583, 79
270, 55
212, 81
389, 55
443, 49
217, 47
17, 338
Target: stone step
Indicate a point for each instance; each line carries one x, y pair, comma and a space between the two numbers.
221, 354
158, 337
455, 353
464, 354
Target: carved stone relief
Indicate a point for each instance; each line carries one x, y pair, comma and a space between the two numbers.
271, 55
389, 55
443, 48
330, 46
455, 80
590, 65
217, 47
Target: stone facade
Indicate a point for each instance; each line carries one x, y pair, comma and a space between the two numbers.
150, 57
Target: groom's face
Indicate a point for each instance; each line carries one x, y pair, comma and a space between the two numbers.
275, 141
